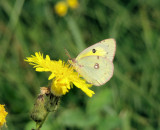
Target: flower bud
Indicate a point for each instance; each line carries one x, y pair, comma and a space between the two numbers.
39, 111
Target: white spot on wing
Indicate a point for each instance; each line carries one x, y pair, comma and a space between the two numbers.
96, 66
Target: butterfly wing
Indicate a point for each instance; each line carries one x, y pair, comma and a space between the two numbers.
96, 70
105, 48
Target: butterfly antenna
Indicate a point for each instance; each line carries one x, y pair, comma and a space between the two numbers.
67, 53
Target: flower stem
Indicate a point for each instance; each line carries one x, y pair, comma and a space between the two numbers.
39, 124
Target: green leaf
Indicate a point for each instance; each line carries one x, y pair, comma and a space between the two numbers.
99, 101
109, 123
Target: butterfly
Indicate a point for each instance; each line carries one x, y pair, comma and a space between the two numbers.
95, 63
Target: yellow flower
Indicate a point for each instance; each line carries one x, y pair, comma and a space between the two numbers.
61, 8
3, 115
73, 3
62, 73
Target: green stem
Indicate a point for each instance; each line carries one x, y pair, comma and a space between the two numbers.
39, 124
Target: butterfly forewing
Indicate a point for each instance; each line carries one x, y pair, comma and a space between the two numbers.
105, 48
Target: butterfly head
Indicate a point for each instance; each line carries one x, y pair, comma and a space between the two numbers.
72, 61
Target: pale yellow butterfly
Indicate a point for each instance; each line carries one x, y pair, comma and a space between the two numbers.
95, 63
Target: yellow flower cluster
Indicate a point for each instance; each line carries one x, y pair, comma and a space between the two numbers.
61, 7
73, 4
62, 74
3, 115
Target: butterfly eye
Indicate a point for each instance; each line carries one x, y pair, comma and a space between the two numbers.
94, 50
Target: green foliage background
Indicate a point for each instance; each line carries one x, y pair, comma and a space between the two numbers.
129, 101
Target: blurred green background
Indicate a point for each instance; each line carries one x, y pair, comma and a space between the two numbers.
129, 101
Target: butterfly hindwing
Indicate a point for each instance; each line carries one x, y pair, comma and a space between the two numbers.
97, 70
